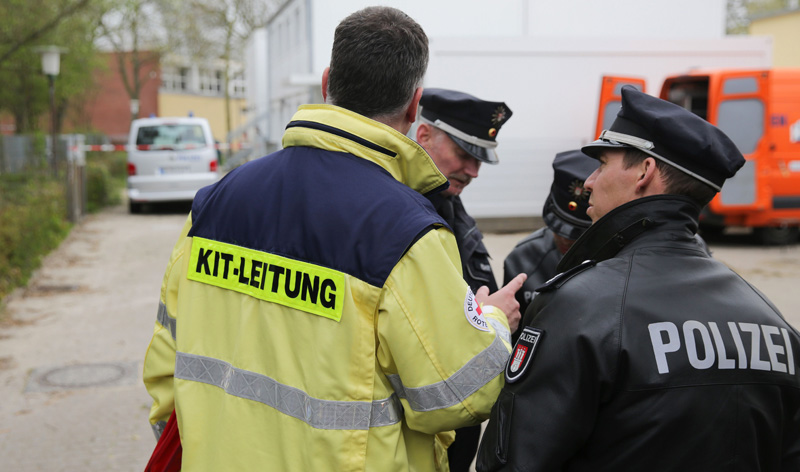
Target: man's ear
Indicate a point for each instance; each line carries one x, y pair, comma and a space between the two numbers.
424, 134
649, 177
411, 111
325, 75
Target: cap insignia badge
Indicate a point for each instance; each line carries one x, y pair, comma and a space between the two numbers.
578, 191
499, 115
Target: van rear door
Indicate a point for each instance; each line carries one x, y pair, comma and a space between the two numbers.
611, 99
738, 107
783, 131
735, 102
172, 148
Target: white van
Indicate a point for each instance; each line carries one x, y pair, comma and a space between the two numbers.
169, 159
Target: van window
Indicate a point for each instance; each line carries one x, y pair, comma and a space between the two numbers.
172, 136
620, 84
743, 122
612, 107
740, 85
741, 188
610, 113
691, 94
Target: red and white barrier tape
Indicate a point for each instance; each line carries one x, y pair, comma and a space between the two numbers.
145, 147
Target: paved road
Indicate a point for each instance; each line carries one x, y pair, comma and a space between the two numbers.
70, 356
72, 343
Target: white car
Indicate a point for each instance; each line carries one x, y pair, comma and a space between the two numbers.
169, 159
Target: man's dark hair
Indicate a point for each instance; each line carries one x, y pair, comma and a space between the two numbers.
676, 181
379, 58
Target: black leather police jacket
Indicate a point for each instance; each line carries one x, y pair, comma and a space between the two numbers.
652, 356
537, 256
474, 255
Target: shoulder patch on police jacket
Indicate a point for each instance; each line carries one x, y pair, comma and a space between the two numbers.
307, 287
522, 354
558, 280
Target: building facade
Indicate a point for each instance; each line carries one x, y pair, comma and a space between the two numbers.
784, 29
189, 88
107, 109
171, 87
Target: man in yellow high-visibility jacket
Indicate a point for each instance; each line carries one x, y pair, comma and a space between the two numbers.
313, 315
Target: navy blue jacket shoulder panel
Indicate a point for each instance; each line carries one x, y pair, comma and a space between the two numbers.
323, 207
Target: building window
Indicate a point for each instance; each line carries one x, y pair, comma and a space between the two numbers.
175, 79
237, 85
211, 82
218, 81
183, 78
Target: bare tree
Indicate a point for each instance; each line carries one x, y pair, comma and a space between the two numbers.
136, 30
70, 24
226, 26
13, 40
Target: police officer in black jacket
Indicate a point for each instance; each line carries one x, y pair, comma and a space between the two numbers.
459, 131
646, 354
564, 215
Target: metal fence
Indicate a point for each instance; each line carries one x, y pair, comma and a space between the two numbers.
25, 154
18, 155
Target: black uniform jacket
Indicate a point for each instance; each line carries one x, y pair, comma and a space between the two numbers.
651, 357
537, 256
474, 256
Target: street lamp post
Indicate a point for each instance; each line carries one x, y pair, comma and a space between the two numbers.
51, 81
51, 66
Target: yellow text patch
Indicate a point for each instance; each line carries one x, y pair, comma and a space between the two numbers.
307, 287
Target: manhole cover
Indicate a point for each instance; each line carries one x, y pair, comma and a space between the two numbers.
71, 377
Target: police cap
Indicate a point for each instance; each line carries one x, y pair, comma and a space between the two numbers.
564, 210
470, 122
673, 135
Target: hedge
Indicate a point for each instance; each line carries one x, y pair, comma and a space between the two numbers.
33, 214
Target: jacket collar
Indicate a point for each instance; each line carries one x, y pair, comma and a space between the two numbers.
675, 216
337, 129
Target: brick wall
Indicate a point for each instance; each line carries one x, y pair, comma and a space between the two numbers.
107, 110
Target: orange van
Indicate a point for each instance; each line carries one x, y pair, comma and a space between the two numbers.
760, 111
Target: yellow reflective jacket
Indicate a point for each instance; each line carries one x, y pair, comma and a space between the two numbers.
313, 315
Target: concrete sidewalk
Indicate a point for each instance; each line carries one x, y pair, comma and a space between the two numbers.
72, 344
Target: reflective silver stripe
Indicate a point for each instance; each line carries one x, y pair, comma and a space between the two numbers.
500, 329
484, 143
469, 379
166, 320
158, 428
320, 414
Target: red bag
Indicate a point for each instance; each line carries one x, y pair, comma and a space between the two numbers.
167, 454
